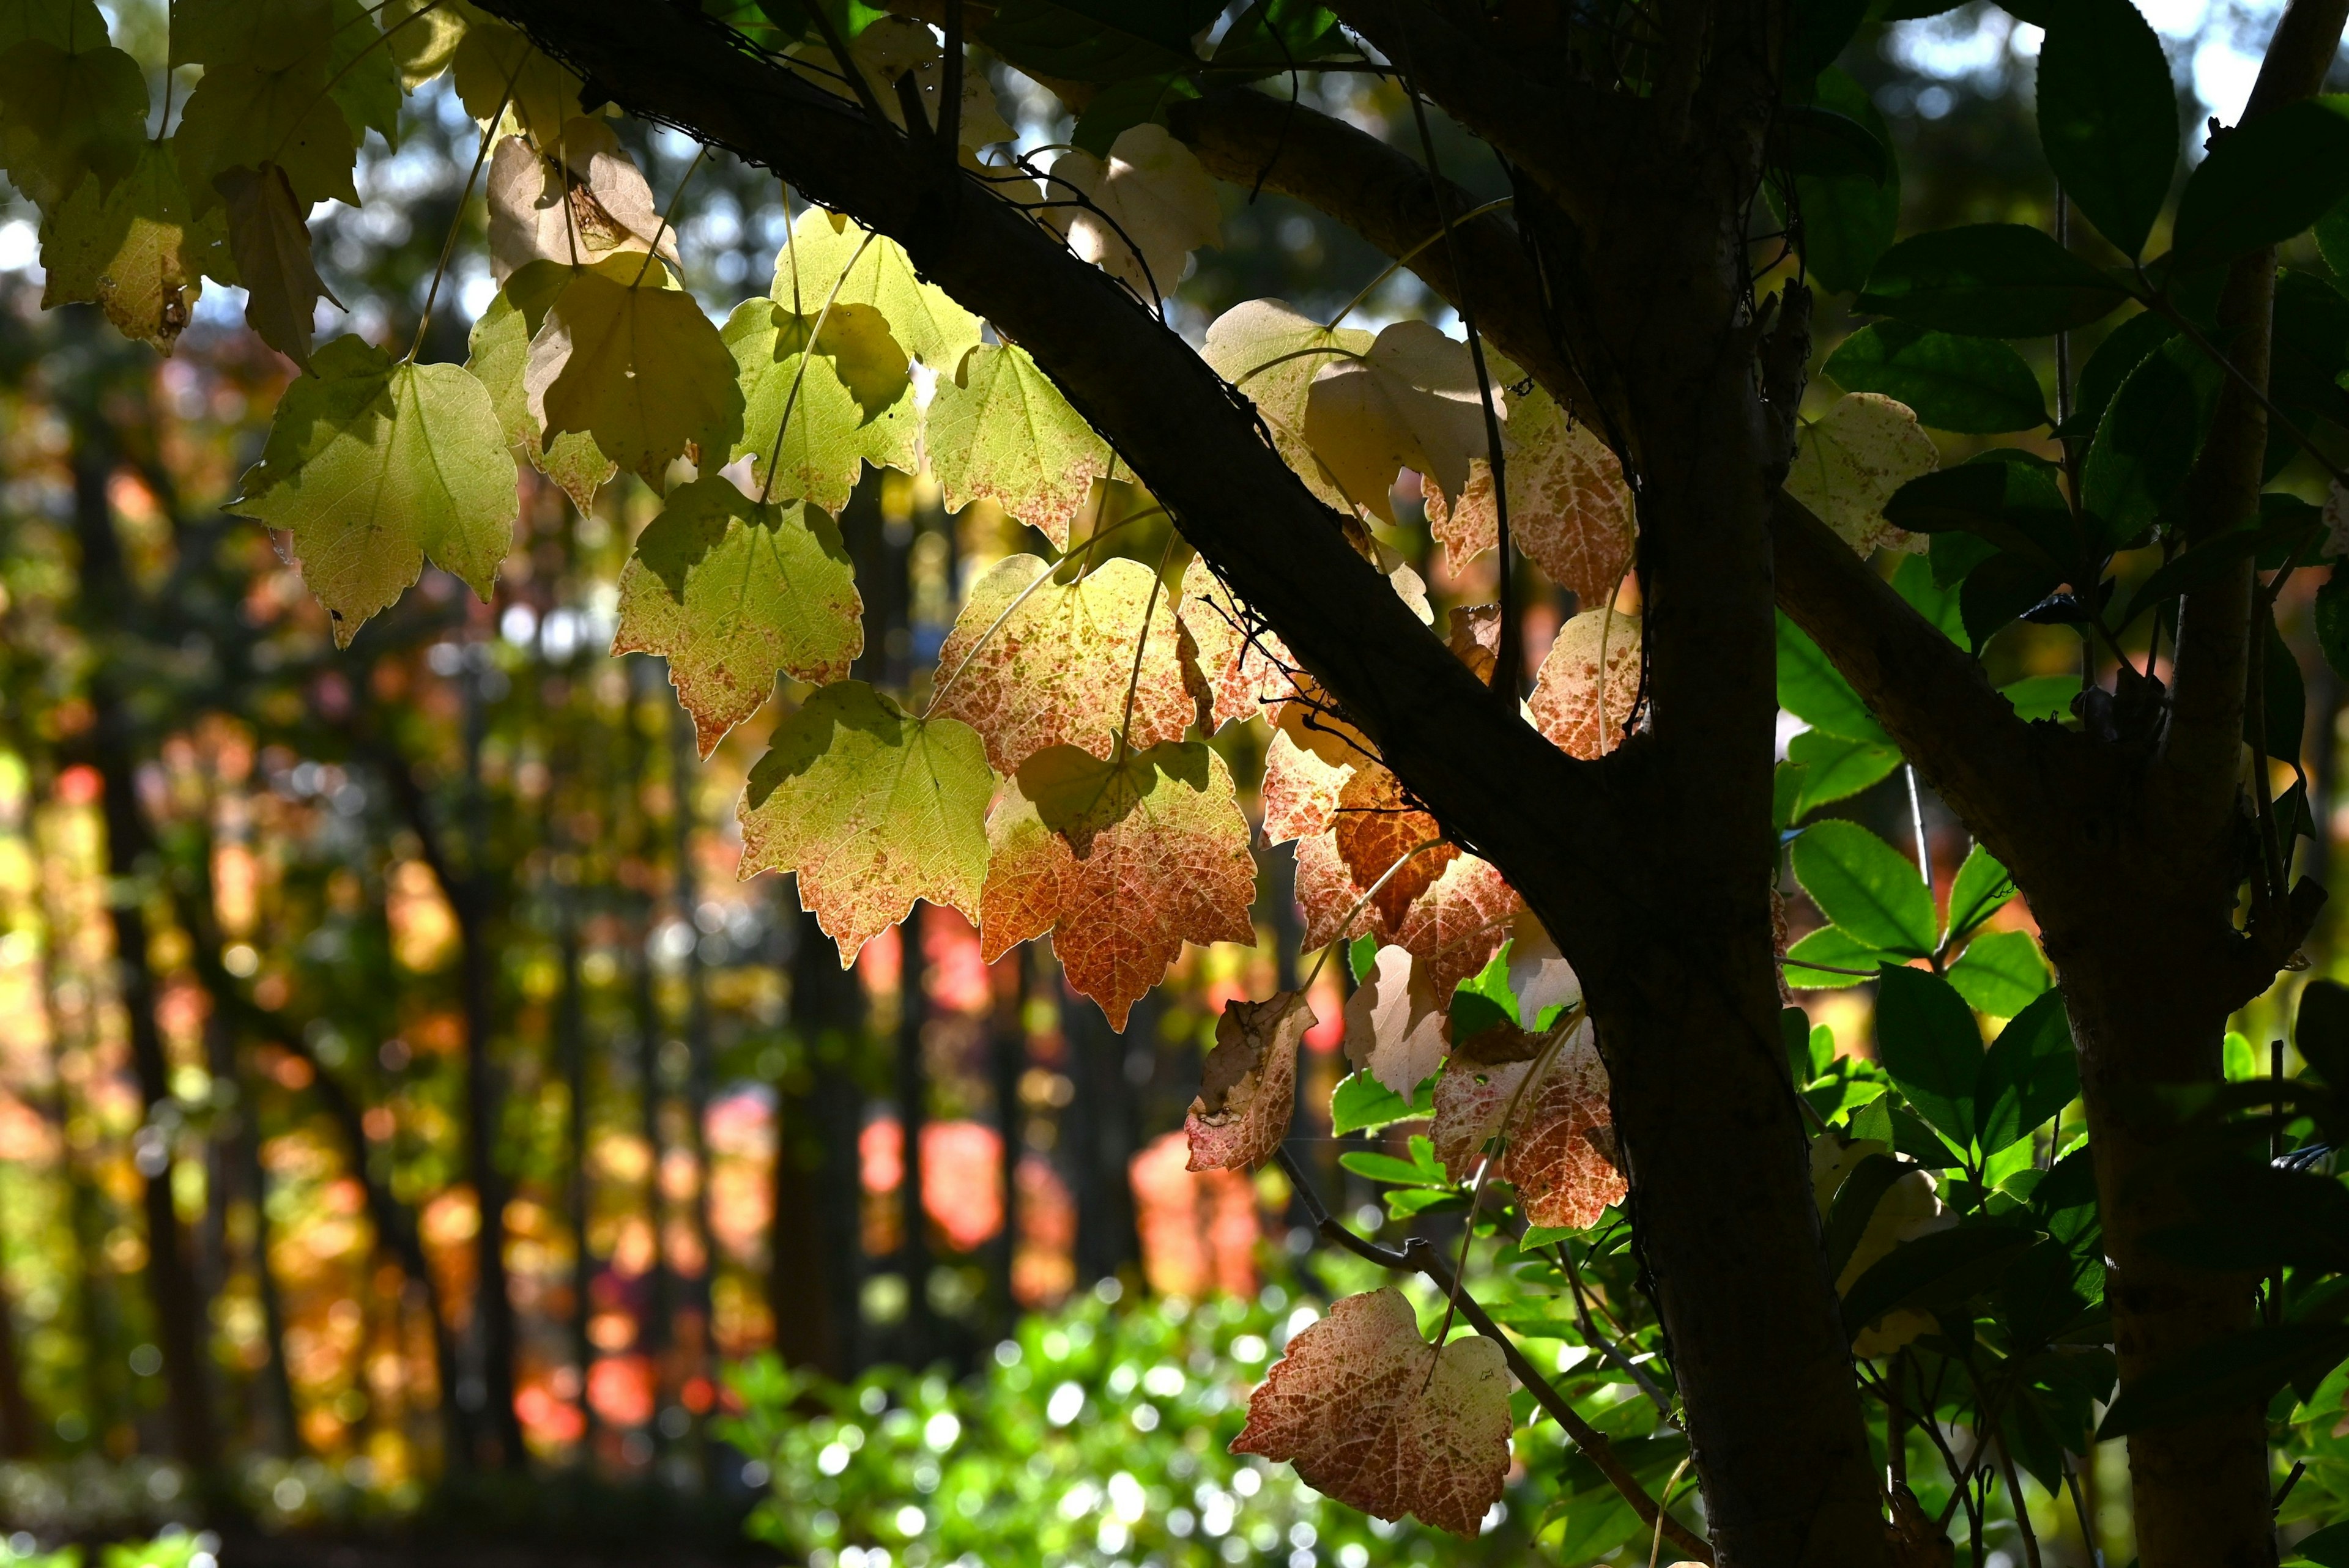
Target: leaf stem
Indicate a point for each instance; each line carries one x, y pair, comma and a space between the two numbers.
700, 152
457, 219
807, 348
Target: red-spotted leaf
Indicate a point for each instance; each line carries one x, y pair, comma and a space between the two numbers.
1582, 713
1034, 664
1300, 791
1374, 1416
1569, 510
1455, 927
1378, 831
1122, 862
1249, 1090
1243, 673
1559, 1151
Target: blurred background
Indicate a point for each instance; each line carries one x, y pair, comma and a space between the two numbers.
390, 1025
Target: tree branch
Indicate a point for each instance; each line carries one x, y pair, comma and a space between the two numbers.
1490, 778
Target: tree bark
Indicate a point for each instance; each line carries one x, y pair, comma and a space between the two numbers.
814, 1246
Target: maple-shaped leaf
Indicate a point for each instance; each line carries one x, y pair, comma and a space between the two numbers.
71, 112
422, 35
729, 590
1456, 926
1583, 713
631, 360
67, 24
244, 115
270, 34
1272, 354
1395, 1023
1031, 666
1377, 827
1570, 511
1372, 1414
136, 251
1123, 862
271, 245
1247, 1091
1000, 429
1409, 402
374, 465
493, 62
1300, 791
1311, 718
587, 201
1243, 674
872, 807
500, 360
820, 418
1849, 461
1558, 1128
1146, 209
361, 76
833, 258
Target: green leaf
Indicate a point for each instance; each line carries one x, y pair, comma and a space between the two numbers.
830, 258
373, 466
872, 807
1818, 31
1836, 768
1098, 40
70, 115
2310, 349
636, 366
1990, 280
242, 115
2041, 696
1847, 220
68, 23
1999, 973
2013, 504
1854, 1204
1813, 690
1483, 999
1786, 794
2108, 116
1849, 961
2122, 350
998, 429
2264, 182
731, 591
137, 252
1122, 106
1980, 888
1926, 1038
1271, 35
1361, 1102
2193, 568
271, 245
1866, 887
2031, 1071
2284, 701
2150, 438
1821, 143
1934, 1272
1914, 581
1386, 1168
2333, 238
2000, 589
1976, 386
2239, 1372
501, 360
802, 421
2327, 1548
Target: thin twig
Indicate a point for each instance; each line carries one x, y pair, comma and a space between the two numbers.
700, 152
1404, 260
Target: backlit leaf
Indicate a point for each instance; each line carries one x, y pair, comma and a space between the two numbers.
1583, 713
1055, 671
1272, 354
1245, 670
1927, 1040
872, 807
1977, 385
1866, 887
732, 591
592, 201
1300, 791
494, 62
1375, 1417
1559, 1151
1455, 927
1122, 862
1395, 1022
70, 114
136, 251
1570, 513
271, 243
819, 418
1999, 974
636, 366
1849, 461
373, 466
422, 37
1247, 1091
998, 429
243, 117
1149, 206
1382, 833
1409, 402
827, 252
501, 361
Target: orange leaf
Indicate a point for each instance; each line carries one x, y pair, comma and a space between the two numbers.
1377, 827
1249, 1090
1300, 791
1455, 927
1243, 674
1583, 716
1374, 1416
1560, 1149
1570, 513
1123, 862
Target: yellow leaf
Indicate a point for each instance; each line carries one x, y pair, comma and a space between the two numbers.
1273, 354
135, 251
1583, 713
842, 264
1849, 461
1410, 402
1001, 430
1570, 511
501, 361
1147, 208
491, 56
1394, 1022
801, 418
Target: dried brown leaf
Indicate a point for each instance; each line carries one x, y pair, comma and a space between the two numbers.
1249, 1090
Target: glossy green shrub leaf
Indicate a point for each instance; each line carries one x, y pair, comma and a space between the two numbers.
1980, 888
2241, 1370
1926, 1038
1990, 280
1844, 959
1835, 768
1936, 1271
2123, 348
1361, 1102
1866, 887
1999, 973
2264, 182
1975, 385
2150, 438
2030, 1072
1847, 220
2108, 116
1812, 689
2041, 696
2010, 501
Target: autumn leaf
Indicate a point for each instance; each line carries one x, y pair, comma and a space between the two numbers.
729, 590
1247, 1091
1122, 862
1377, 828
830, 258
501, 361
271, 245
374, 466
1395, 1024
819, 419
1849, 461
1570, 512
873, 809
1372, 1414
1559, 1148
1583, 715
1000, 429
1539, 975
422, 37
1054, 671
591, 201
1242, 675
543, 93
70, 114
1300, 791
1410, 402
1453, 928
1272, 354
635, 363
1475, 639
1147, 208
135, 251
244, 116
